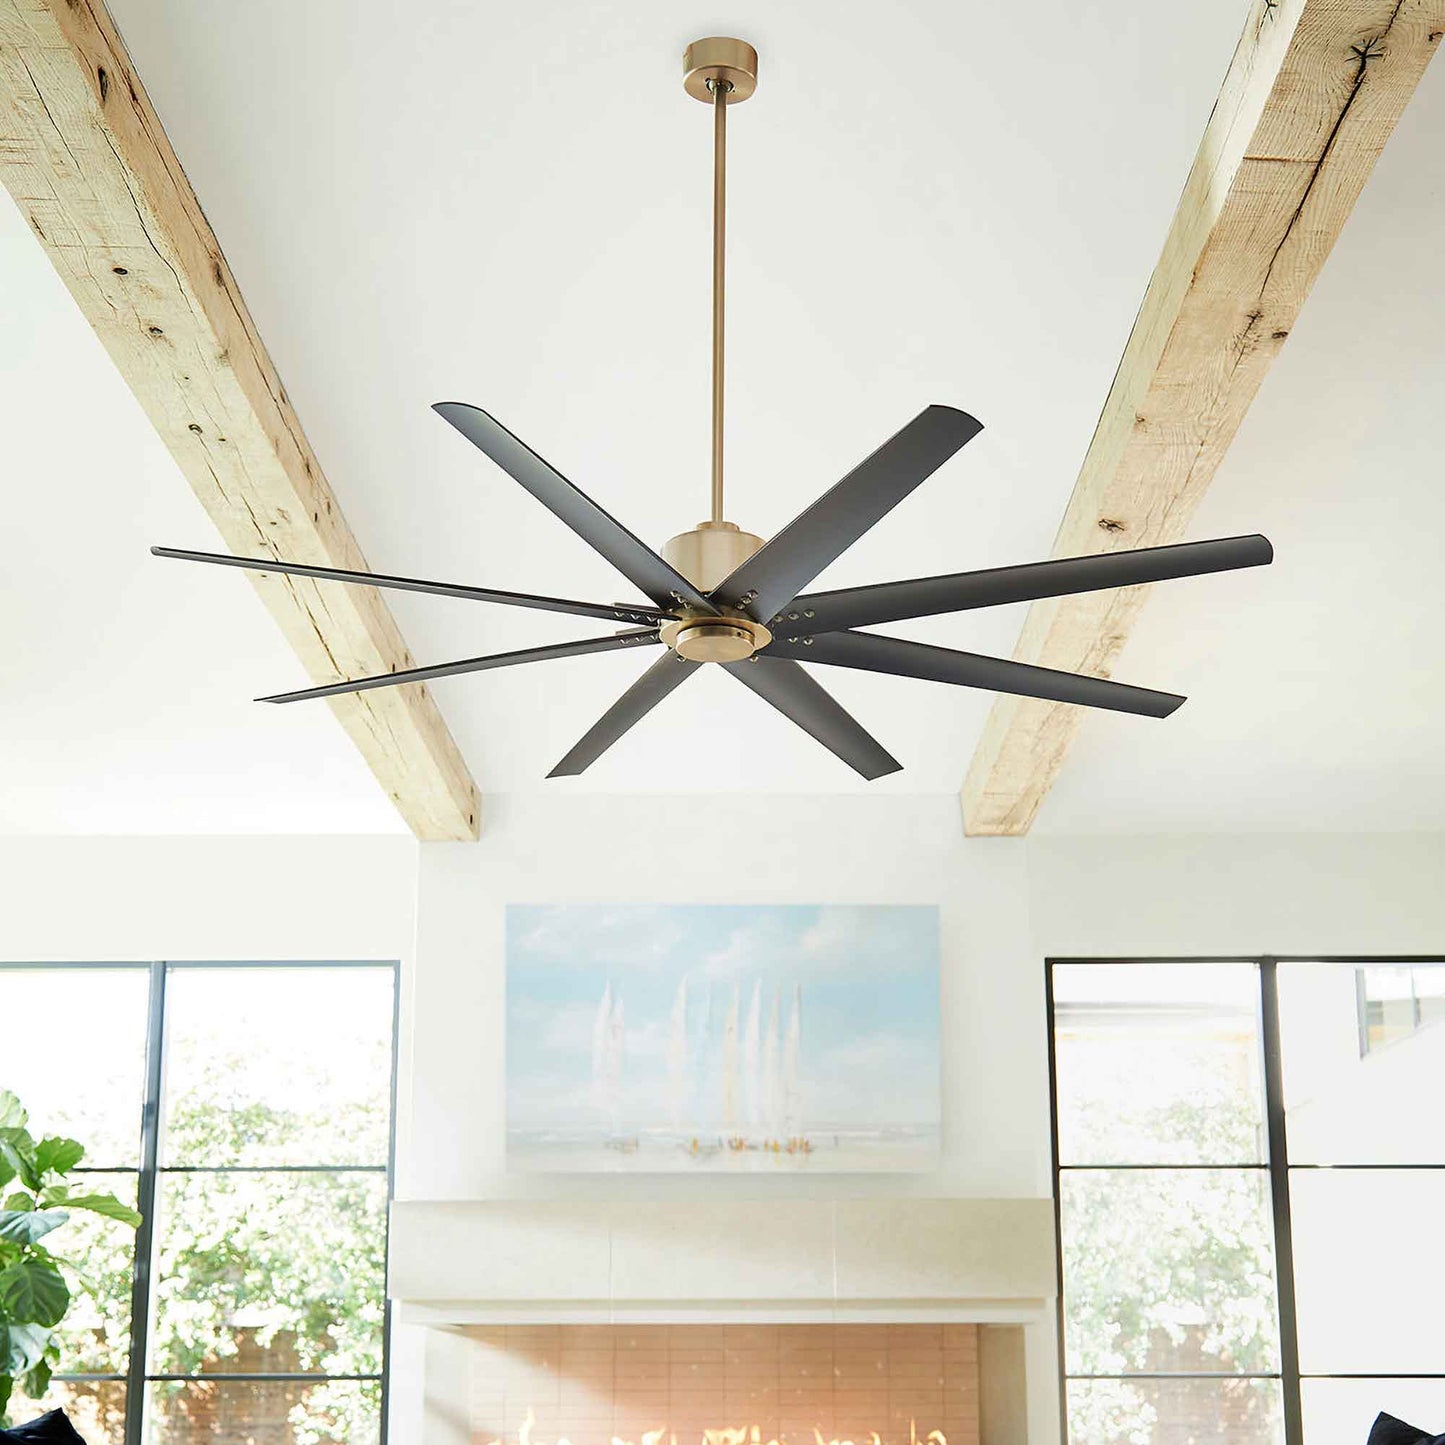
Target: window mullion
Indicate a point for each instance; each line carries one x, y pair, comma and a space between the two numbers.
1278, 1154
140, 1297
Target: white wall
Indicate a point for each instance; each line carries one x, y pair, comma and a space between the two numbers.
722, 849
1358, 894
1005, 906
123, 899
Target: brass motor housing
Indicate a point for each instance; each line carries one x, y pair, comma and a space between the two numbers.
714, 641
705, 556
708, 553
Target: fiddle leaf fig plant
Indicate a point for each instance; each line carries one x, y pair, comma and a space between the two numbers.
36, 1200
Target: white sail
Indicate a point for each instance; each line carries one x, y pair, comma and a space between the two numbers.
616, 1038
752, 1049
704, 1061
792, 1094
730, 1064
677, 1075
772, 1077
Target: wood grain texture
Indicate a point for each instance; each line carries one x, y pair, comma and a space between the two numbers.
1311, 97
85, 157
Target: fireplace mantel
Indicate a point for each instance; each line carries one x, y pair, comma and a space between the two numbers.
484, 1261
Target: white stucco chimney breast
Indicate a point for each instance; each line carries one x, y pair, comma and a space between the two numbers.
485, 1261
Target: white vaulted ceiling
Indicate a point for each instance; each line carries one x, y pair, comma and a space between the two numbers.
509, 205
122, 706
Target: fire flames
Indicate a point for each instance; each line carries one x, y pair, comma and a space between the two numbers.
726, 1435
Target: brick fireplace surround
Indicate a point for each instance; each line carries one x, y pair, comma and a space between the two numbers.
596, 1383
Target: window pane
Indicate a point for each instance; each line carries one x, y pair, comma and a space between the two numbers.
263, 1273
278, 1065
95, 1335
265, 1412
1168, 1269
1429, 993
1389, 999
1176, 1412
1369, 1270
1340, 1412
96, 1408
88, 1081
1359, 1084
1158, 1063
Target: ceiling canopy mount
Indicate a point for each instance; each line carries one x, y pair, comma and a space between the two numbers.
720, 63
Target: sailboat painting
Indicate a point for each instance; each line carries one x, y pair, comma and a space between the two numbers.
722, 1038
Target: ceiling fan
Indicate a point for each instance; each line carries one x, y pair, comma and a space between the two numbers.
720, 595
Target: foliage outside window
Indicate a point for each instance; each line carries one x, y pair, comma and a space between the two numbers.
1168, 1253
38, 1279
1171, 1207
265, 1318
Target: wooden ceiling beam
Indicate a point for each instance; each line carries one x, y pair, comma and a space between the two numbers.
1312, 94
84, 155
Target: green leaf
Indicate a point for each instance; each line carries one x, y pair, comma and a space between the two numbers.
12, 1111
106, 1204
58, 1156
22, 1347
20, 1200
37, 1380
27, 1226
6, 1385
33, 1292
17, 1149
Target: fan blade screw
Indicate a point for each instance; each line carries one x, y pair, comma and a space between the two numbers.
792, 617
810, 614
807, 642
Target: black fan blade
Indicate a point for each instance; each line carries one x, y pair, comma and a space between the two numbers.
927, 596
471, 664
619, 612
872, 653
632, 557
778, 571
807, 703
665, 674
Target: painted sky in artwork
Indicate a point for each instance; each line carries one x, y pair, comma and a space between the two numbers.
600, 1035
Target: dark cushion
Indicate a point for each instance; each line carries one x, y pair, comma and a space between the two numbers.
1387, 1430
52, 1428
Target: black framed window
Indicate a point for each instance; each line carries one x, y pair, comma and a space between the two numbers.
1248, 1202
246, 1109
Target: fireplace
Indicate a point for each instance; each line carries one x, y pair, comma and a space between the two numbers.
748, 1384
745, 1322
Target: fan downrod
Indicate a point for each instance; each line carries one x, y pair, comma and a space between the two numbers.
720, 71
